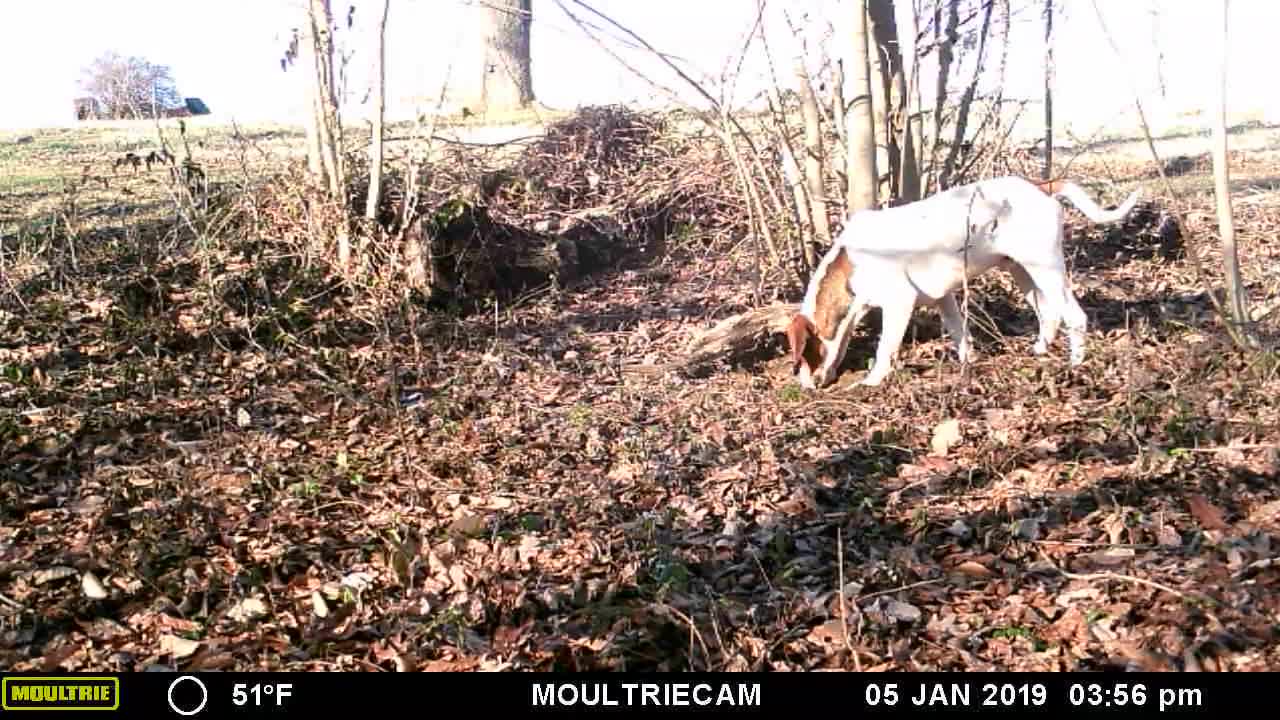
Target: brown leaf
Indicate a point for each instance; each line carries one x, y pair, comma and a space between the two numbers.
1072, 626
468, 524
1206, 513
1267, 513
463, 665
828, 633
974, 569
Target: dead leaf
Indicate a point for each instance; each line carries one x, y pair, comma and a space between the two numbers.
1111, 557
469, 524
974, 569
1206, 513
1267, 513
178, 647
945, 435
901, 611
1071, 627
318, 605
828, 633
248, 609
93, 587
1027, 529
959, 530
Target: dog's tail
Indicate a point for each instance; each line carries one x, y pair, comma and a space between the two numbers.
1086, 205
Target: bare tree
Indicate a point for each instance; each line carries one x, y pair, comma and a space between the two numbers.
881, 104
325, 129
377, 111
314, 46
862, 176
506, 80
899, 143
944, 39
1047, 171
966, 100
1237, 302
813, 156
130, 87
913, 143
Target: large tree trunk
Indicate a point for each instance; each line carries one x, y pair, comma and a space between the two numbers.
1236, 301
1047, 171
377, 112
881, 103
945, 40
862, 176
506, 81
307, 60
904, 175
913, 183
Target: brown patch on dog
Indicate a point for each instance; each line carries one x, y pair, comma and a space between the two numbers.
833, 296
803, 344
1049, 187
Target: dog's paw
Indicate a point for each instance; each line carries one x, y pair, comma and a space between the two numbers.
872, 380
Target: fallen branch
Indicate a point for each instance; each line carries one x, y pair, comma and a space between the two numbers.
729, 336
1119, 577
737, 333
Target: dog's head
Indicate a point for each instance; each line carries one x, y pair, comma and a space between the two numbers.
808, 352
814, 335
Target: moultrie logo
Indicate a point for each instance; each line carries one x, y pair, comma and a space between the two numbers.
61, 693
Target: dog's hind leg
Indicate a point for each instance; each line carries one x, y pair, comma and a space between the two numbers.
1031, 293
1058, 307
1077, 324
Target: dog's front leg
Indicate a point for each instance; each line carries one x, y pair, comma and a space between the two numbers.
894, 318
956, 328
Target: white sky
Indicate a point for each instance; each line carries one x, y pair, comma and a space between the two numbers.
227, 52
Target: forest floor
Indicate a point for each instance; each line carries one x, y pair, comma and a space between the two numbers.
512, 490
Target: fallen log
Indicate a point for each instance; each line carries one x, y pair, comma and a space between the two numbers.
739, 332
735, 334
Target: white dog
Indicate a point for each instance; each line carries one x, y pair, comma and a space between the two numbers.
922, 252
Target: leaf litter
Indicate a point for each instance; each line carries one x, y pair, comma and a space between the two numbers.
516, 498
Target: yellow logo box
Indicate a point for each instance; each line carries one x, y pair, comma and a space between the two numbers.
61, 693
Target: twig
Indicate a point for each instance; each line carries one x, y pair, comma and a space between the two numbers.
844, 624
1108, 575
693, 630
1121, 577
891, 591
1224, 448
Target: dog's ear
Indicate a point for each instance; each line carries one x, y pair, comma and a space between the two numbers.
797, 336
